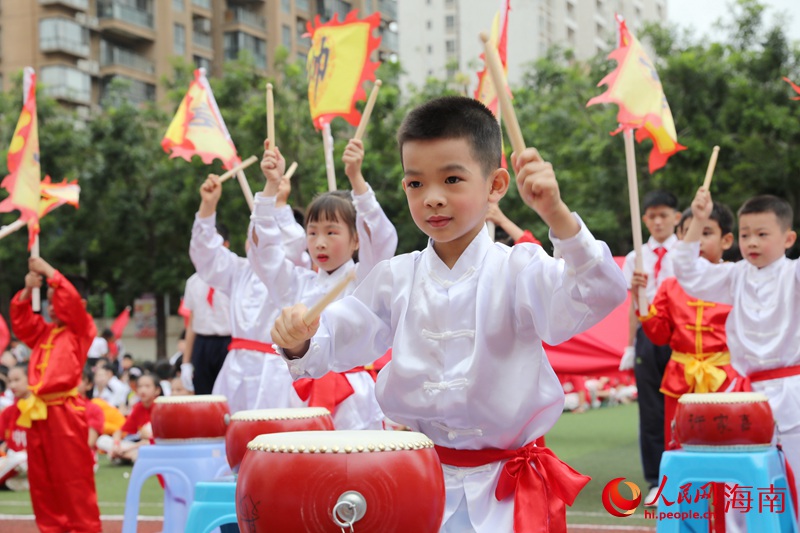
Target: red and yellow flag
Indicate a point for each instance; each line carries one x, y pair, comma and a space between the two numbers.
57, 194
636, 88
338, 64
485, 92
794, 86
198, 128
24, 176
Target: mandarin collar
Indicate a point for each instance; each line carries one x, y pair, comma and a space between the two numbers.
470, 260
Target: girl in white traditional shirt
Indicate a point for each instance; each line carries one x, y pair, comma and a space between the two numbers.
339, 225
466, 319
251, 357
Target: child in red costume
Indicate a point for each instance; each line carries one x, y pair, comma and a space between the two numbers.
60, 463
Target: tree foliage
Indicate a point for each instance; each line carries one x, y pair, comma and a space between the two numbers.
130, 235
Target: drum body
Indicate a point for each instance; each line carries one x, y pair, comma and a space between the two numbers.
727, 421
380, 481
247, 425
201, 418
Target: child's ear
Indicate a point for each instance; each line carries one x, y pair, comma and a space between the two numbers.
499, 184
727, 241
791, 237
678, 216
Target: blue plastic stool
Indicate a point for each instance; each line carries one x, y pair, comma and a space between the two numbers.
182, 466
214, 505
756, 470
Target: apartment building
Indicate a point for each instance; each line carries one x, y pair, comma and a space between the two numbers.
440, 37
78, 47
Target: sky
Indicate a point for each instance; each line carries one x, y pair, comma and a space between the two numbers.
701, 15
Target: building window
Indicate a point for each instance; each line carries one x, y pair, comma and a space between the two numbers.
450, 22
286, 6
57, 34
430, 49
179, 39
237, 42
341, 7
286, 36
571, 10
134, 91
300, 31
570, 36
202, 62
429, 25
301, 4
177, 5
450, 47
61, 81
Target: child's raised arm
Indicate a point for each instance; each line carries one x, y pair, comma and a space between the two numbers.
701, 211
353, 158
538, 188
273, 165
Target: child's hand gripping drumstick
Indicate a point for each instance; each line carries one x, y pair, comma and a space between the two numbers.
297, 324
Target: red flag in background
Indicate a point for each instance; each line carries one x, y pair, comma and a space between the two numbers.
185, 313
794, 86
486, 92
636, 89
121, 322
5, 334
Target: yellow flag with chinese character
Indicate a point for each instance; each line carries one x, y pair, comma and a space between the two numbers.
338, 64
198, 128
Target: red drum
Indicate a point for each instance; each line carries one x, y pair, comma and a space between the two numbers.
247, 425
330, 481
726, 421
190, 418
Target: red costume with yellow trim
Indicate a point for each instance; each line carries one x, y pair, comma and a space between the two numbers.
60, 463
695, 330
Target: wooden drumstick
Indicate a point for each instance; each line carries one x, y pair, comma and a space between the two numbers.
270, 117
317, 309
496, 71
241, 166
373, 95
711, 166
290, 171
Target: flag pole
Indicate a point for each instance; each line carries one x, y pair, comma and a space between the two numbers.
373, 95
712, 164
327, 143
496, 71
270, 117
490, 226
36, 294
636, 224
18, 224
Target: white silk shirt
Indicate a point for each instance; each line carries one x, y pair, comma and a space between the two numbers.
468, 368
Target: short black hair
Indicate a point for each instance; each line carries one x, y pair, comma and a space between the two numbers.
767, 203
21, 366
80, 283
720, 213
107, 334
456, 117
222, 229
659, 199
128, 356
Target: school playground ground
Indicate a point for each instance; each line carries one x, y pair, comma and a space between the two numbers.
601, 443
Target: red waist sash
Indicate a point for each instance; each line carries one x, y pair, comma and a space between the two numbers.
247, 344
328, 391
743, 384
541, 483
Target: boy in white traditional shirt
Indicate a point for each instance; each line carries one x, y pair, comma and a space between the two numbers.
251, 357
339, 224
466, 319
763, 326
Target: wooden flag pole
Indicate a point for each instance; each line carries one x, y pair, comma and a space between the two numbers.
327, 143
18, 224
270, 117
712, 164
496, 71
241, 166
636, 222
36, 294
317, 309
290, 171
373, 95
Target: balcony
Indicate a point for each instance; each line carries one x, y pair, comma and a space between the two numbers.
203, 4
125, 21
388, 9
79, 5
203, 40
115, 56
67, 93
239, 15
70, 46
